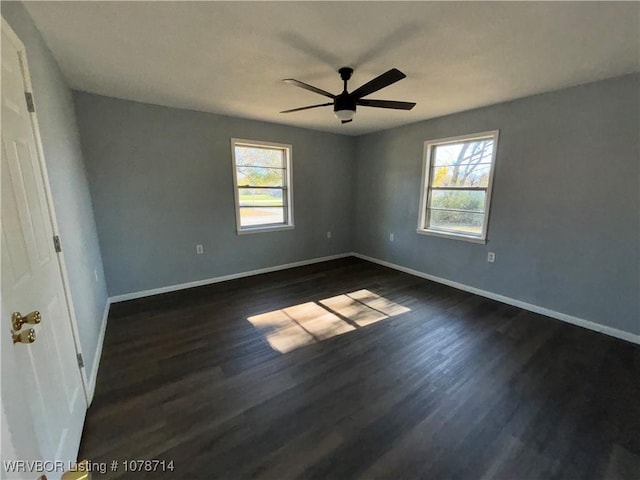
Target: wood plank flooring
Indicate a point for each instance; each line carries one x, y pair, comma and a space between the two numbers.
405, 379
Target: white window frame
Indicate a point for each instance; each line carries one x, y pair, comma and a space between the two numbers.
288, 187
425, 188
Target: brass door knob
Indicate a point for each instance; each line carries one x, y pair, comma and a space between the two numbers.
17, 320
81, 471
26, 336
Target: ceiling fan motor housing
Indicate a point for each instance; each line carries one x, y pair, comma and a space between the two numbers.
344, 101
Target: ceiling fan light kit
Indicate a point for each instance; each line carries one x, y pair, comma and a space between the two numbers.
345, 103
345, 115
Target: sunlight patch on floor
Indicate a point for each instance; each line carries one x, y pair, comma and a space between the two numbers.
293, 327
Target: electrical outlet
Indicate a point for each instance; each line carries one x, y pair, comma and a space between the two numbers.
392, 237
328, 234
491, 257
199, 249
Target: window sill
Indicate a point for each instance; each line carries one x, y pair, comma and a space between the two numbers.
276, 228
453, 236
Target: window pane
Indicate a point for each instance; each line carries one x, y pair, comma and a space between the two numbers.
465, 175
470, 200
261, 216
258, 156
459, 222
260, 176
463, 153
261, 197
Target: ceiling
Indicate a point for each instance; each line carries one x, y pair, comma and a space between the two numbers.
230, 57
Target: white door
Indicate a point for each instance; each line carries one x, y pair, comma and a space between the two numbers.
44, 376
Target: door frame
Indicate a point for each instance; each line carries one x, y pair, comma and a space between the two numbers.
26, 77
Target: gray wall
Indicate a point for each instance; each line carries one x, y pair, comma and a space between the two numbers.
564, 221
565, 210
161, 182
72, 202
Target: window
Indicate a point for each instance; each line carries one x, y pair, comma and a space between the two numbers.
262, 179
456, 188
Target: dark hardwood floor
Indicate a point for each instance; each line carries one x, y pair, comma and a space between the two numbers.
404, 378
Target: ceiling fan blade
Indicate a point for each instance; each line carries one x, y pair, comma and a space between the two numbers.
306, 86
307, 108
386, 104
347, 121
381, 81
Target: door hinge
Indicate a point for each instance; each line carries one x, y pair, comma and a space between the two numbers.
56, 244
30, 106
80, 361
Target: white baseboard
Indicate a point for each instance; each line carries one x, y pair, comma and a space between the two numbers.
614, 332
96, 358
224, 278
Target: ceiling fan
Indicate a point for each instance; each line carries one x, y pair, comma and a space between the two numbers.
344, 104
